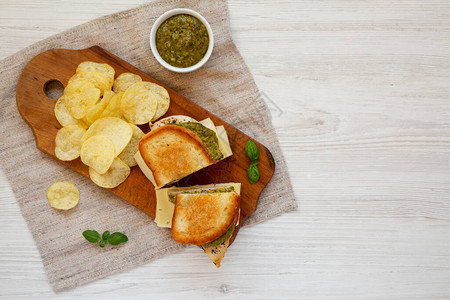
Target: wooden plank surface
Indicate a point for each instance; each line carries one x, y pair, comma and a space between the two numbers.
359, 94
38, 111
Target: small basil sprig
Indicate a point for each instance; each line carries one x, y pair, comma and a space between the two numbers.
92, 236
253, 173
105, 235
253, 153
102, 243
115, 238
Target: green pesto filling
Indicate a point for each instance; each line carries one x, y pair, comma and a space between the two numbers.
223, 238
208, 137
202, 191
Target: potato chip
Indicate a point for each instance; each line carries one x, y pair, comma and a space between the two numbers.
105, 69
127, 155
79, 104
80, 95
63, 195
117, 130
113, 108
124, 81
63, 115
68, 142
98, 80
117, 173
97, 152
138, 104
95, 112
162, 97
77, 85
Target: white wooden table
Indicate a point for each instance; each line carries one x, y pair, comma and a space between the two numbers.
363, 96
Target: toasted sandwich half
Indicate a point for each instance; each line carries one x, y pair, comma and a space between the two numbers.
178, 146
203, 215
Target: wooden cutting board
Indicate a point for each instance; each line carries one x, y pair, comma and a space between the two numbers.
38, 111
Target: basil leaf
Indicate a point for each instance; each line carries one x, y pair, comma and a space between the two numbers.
253, 173
252, 151
117, 238
92, 236
102, 243
105, 235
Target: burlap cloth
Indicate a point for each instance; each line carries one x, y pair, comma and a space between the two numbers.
224, 86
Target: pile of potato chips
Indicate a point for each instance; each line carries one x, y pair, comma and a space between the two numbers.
99, 124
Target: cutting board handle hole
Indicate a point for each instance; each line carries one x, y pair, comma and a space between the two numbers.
53, 89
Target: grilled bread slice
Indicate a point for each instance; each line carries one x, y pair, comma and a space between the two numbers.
201, 218
216, 253
172, 152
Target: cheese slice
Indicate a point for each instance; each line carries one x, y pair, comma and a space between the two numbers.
165, 208
208, 123
143, 166
224, 142
224, 147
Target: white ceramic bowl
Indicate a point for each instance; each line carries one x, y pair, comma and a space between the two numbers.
169, 14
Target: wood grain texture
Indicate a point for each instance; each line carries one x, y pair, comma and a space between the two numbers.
359, 97
38, 111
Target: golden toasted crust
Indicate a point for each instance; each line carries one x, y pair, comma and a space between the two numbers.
201, 218
173, 152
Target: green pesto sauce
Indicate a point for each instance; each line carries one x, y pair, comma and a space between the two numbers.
182, 40
205, 191
222, 238
208, 137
